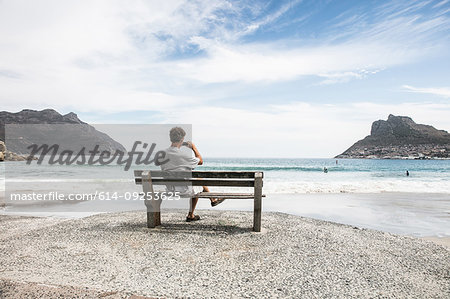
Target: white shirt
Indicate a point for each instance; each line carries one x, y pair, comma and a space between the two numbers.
179, 160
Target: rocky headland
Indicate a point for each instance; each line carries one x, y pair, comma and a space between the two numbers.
50, 127
399, 137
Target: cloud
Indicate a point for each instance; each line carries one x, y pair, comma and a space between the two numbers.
441, 3
115, 45
342, 77
352, 48
112, 56
442, 91
254, 26
262, 62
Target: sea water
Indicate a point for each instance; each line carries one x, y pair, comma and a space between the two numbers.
367, 193
300, 176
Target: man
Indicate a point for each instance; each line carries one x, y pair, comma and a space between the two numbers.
180, 161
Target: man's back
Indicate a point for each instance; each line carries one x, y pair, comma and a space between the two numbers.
179, 160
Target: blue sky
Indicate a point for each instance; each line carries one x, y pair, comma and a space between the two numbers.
254, 78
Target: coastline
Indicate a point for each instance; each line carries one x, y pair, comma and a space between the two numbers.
218, 256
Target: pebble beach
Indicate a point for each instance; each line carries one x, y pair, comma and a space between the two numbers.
114, 255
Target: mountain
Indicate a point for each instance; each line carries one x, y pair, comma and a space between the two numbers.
50, 127
401, 137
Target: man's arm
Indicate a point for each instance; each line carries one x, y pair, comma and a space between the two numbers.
196, 152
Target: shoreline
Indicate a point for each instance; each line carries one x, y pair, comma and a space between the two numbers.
294, 256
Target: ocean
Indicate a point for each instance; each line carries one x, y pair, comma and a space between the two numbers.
367, 193
305, 176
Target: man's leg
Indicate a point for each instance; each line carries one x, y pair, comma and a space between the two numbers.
206, 189
193, 204
214, 201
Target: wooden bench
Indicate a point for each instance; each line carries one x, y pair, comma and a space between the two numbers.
148, 179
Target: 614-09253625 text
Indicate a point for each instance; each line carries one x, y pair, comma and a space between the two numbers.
103, 196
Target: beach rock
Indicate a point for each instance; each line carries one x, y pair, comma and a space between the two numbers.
76, 135
2, 151
6, 155
401, 137
10, 156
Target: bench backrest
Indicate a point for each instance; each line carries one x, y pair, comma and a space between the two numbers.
201, 178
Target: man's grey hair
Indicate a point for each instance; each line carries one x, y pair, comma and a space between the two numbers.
177, 134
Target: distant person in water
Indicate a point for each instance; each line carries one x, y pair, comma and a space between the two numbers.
180, 161
325, 169
407, 173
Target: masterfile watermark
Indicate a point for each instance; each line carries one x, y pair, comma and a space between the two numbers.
95, 156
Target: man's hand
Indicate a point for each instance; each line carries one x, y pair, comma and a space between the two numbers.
189, 144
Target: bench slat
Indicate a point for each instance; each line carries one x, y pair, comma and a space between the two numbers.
226, 195
200, 182
200, 174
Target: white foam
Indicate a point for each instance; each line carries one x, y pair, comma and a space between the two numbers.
363, 186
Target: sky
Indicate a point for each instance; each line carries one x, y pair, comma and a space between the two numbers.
254, 78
